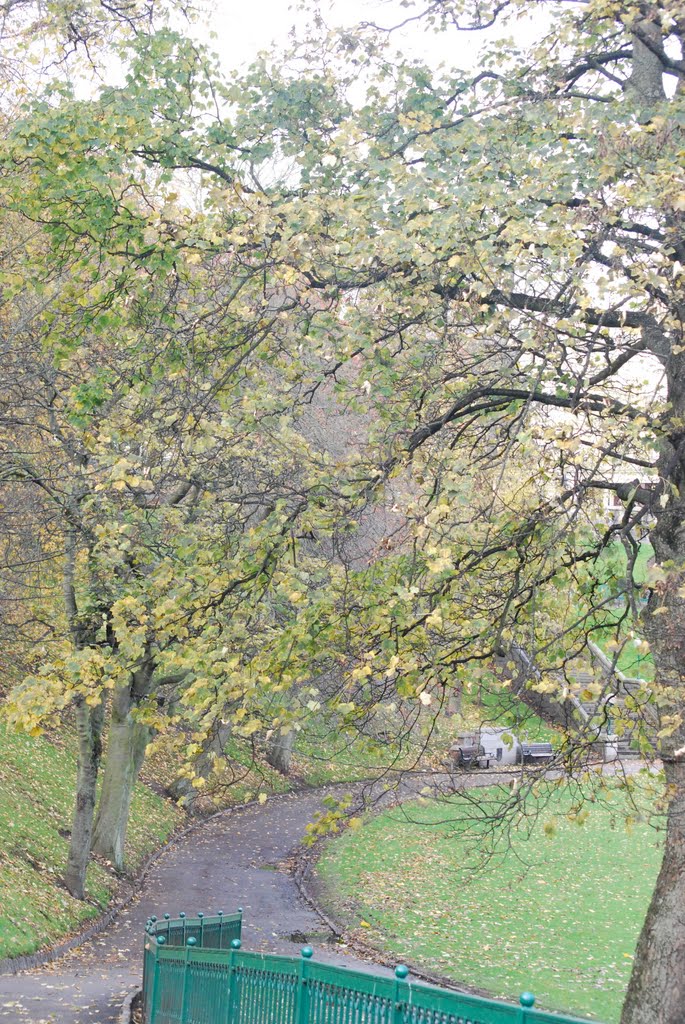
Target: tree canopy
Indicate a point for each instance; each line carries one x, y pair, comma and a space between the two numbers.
475, 278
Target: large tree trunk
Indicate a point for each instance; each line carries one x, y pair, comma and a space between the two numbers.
126, 743
656, 993
279, 750
647, 79
89, 721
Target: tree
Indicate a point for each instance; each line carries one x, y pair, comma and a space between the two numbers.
488, 268
506, 253
150, 347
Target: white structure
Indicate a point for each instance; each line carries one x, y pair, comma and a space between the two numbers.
500, 744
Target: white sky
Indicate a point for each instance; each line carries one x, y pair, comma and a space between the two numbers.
244, 28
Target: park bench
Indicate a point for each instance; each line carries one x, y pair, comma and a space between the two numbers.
536, 753
470, 756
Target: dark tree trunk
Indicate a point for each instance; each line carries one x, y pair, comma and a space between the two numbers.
656, 993
647, 79
127, 740
89, 720
279, 750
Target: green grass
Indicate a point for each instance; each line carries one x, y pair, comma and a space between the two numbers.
630, 661
557, 911
616, 553
500, 708
36, 793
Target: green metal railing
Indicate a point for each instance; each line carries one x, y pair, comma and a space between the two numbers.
196, 973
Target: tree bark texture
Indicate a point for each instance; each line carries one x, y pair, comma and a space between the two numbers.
647, 80
127, 740
656, 993
89, 721
279, 750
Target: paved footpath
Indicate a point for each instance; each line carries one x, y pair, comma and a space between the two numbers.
229, 862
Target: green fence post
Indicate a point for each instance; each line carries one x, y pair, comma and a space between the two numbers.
201, 918
230, 995
184, 996
302, 1006
527, 1001
220, 915
151, 1010
401, 972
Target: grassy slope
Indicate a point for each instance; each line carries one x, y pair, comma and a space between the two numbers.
36, 792
37, 776
322, 756
558, 915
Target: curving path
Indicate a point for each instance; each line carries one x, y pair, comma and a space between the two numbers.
229, 862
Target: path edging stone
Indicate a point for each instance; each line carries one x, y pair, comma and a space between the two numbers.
127, 1005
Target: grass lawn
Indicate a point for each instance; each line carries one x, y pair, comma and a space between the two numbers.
556, 911
36, 793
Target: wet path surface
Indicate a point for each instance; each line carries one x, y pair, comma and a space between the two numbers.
231, 861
